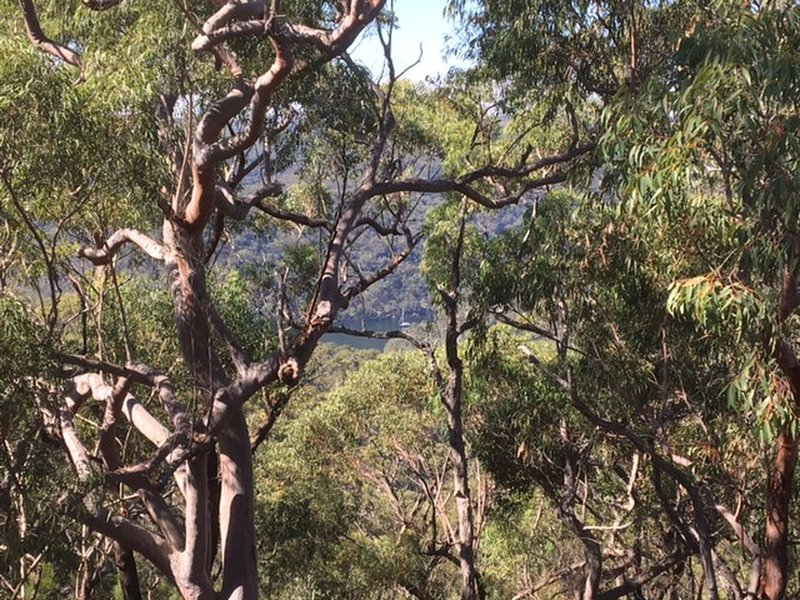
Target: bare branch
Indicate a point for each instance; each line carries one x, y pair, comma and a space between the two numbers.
464, 183
209, 40
549, 161
296, 218
379, 229
154, 548
104, 255
549, 579
238, 209
75, 448
456, 185
637, 582
525, 326
143, 421
175, 410
747, 542
274, 409
235, 348
144, 375
396, 261
114, 397
333, 42
230, 11
209, 151
162, 516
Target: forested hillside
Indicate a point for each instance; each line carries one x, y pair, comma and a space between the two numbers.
571, 266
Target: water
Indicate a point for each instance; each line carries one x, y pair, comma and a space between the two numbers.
362, 343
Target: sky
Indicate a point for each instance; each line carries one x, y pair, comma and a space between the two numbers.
421, 23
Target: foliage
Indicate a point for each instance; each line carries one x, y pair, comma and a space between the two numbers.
326, 478
627, 332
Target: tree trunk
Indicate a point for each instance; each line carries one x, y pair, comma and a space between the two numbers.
780, 486
214, 491
458, 458
125, 564
235, 513
452, 396
566, 510
779, 496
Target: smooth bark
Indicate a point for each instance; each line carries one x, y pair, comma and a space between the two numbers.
779, 497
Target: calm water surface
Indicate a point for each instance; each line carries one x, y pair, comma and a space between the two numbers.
382, 324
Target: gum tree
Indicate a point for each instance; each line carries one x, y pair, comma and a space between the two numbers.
124, 119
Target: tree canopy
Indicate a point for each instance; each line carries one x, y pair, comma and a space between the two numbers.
575, 261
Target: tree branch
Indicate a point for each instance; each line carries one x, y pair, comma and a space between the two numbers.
162, 516
154, 548
44, 43
633, 584
396, 261
104, 255
747, 542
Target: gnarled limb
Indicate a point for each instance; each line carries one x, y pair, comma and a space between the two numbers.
153, 547
136, 373
125, 534
212, 38
105, 254
333, 42
228, 12
143, 421
209, 150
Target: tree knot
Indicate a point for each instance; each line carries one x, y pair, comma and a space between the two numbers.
289, 372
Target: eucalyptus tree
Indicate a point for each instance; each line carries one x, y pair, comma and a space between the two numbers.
442, 266
697, 103
470, 133
723, 129
358, 490
607, 362
120, 119
206, 171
